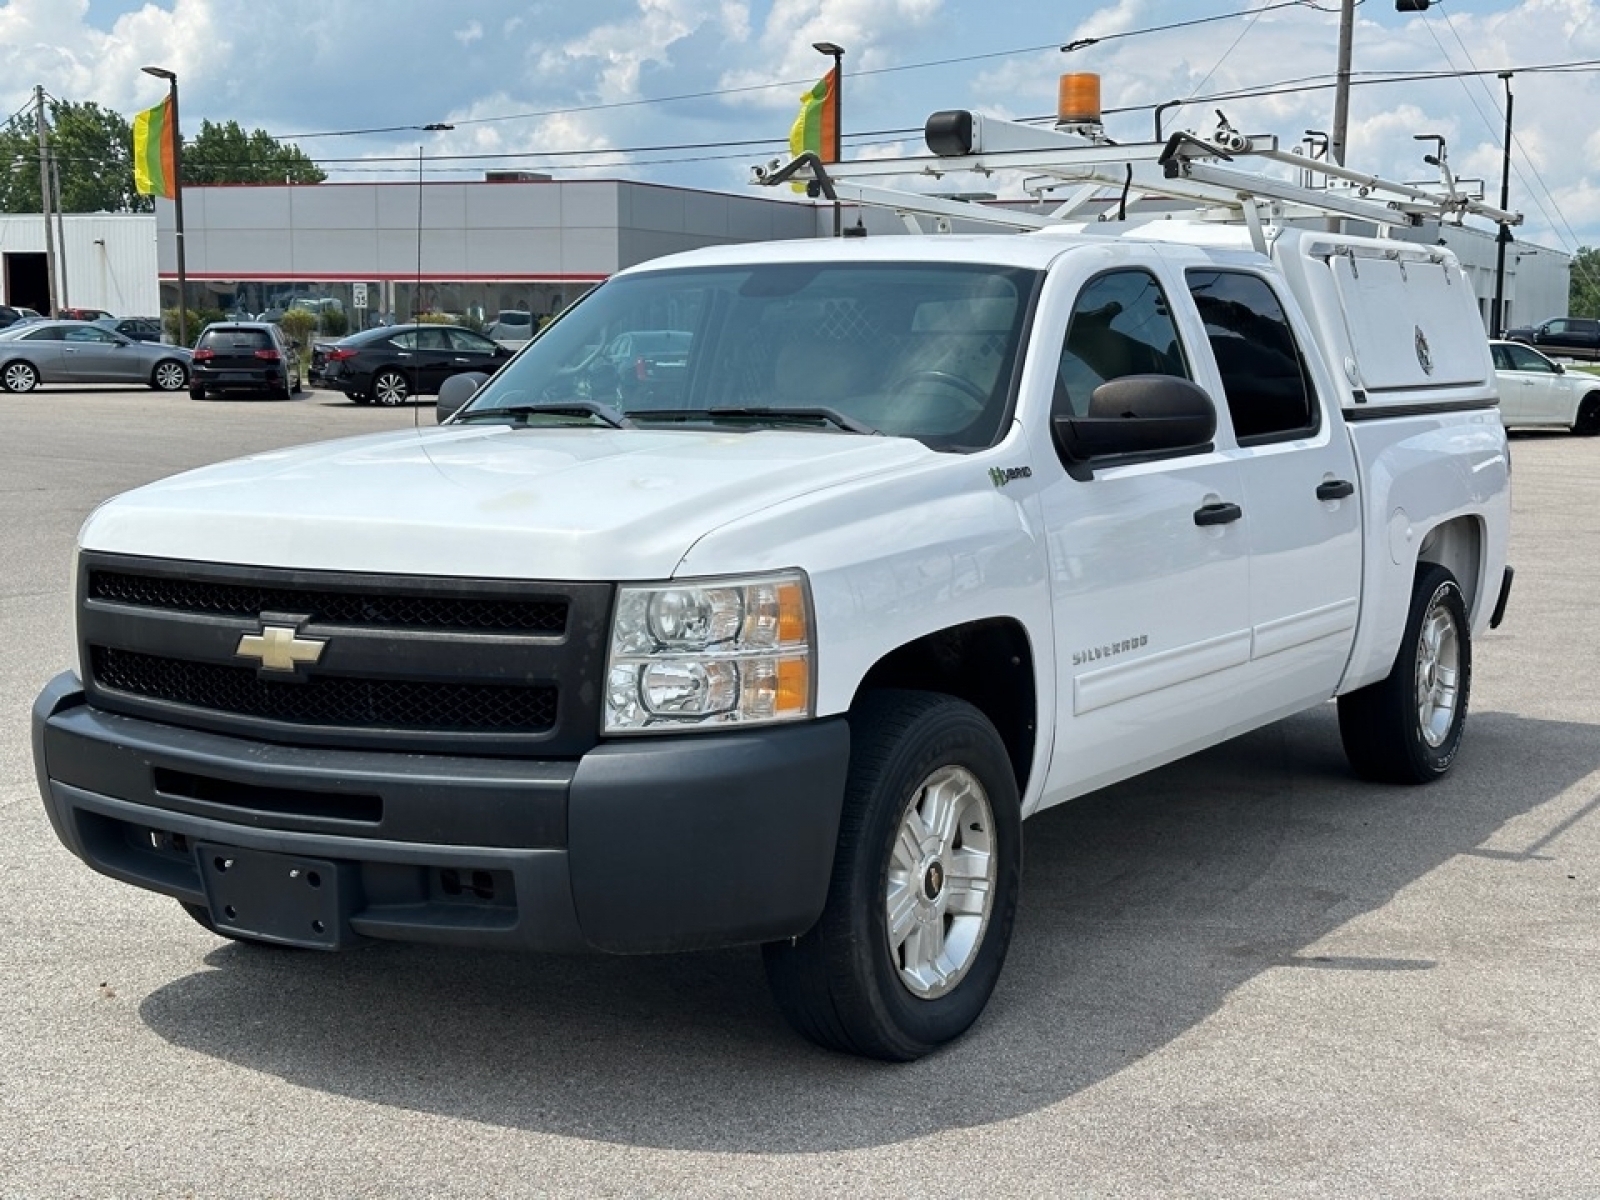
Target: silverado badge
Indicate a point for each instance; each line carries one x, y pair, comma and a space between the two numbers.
280, 648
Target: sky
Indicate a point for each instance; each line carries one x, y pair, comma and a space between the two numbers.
694, 92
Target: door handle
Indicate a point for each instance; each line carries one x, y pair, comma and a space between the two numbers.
1335, 489
1217, 514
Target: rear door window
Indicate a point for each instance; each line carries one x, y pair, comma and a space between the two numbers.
1264, 375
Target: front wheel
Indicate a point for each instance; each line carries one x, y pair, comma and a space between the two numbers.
169, 376
19, 377
390, 388
924, 889
1407, 728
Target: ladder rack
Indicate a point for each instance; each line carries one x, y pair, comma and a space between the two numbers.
1183, 167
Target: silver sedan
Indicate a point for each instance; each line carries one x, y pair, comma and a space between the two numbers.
78, 352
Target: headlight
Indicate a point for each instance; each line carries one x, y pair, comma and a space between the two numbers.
711, 652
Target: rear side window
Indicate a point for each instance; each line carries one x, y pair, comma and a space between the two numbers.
229, 341
1264, 375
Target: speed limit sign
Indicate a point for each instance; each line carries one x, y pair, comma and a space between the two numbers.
358, 295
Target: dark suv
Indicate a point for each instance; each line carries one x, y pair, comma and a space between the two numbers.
244, 356
8, 316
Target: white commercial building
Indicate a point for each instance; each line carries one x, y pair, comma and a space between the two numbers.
103, 260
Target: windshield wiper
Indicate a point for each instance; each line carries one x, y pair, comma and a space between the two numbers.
562, 408
807, 413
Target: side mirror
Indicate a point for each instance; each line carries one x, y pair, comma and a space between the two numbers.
1136, 415
455, 392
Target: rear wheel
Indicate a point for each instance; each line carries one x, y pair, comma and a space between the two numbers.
197, 393
19, 377
169, 376
1588, 421
924, 889
360, 397
390, 388
1407, 728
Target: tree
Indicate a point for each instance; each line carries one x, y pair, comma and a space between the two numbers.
93, 149
226, 154
1583, 295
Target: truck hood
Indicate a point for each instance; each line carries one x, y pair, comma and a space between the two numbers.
487, 501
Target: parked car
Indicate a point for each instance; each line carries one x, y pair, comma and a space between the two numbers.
35, 352
1569, 337
1537, 392
392, 364
140, 329
9, 316
511, 326
245, 356
81, 314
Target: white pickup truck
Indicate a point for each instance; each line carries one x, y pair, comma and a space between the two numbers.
777, 640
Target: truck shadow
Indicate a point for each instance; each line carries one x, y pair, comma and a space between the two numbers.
1145, 906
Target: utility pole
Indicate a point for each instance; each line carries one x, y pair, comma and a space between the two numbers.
1341, 92
1497, 318
61, 230
44, 197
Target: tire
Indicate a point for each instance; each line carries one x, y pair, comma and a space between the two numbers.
849, 984
19, 377
286, 392
359, 397
197, 393
390, 388
169, 376
1407, 728
1588, 420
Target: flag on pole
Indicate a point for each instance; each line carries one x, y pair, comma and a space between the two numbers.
816, 128
155, 170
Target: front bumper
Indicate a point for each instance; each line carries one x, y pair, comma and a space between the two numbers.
649, 845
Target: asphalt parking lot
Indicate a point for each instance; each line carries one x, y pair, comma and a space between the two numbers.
1245, 975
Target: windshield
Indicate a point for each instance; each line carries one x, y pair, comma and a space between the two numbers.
909, 349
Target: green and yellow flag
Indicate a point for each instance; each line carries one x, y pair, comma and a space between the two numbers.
155, 171
817, 126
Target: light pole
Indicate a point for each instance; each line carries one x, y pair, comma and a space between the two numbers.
1496, 320
433, 127
177, 200
836, 52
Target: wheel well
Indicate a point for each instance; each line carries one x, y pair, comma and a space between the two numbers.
1457, 545
989, 664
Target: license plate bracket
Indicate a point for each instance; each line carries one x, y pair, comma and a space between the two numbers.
281, 898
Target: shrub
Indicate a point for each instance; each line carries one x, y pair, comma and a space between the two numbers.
298, 324
197, 319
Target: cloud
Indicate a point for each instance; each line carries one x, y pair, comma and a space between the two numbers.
633, 73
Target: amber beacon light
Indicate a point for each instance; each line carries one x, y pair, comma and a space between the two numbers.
1078, 99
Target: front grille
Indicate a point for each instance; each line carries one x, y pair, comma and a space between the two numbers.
328, 607
328, 700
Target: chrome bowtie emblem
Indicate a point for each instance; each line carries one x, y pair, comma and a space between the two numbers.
279, 648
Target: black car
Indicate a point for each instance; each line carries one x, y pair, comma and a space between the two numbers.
139, 329
244, 356
392, 364
8, 316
